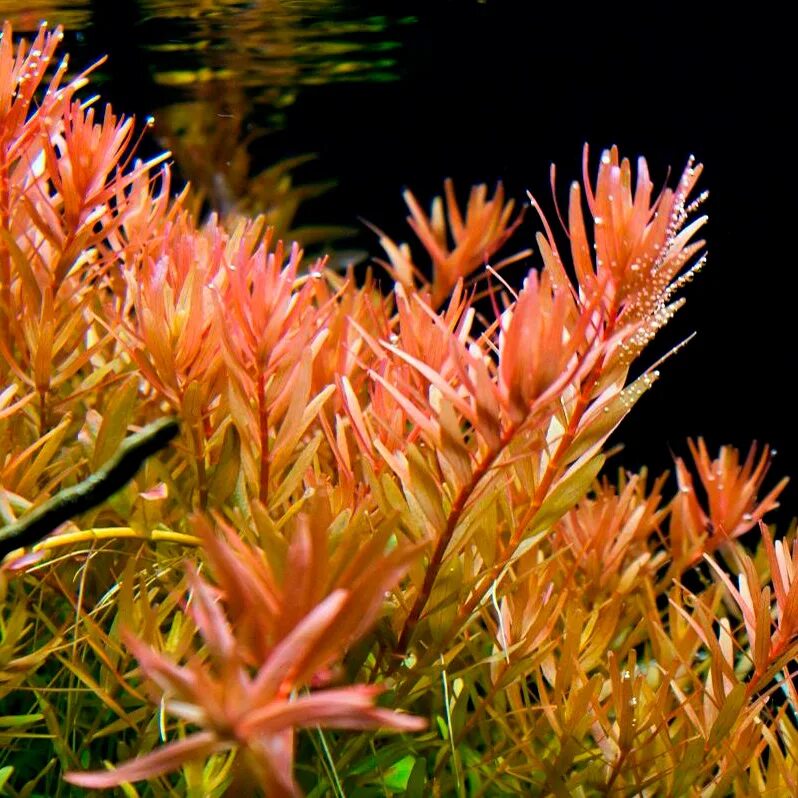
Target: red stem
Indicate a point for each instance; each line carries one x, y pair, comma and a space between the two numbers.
541, 492
263, 425
5, 257
443, 541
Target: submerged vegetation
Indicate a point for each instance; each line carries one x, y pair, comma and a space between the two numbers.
379, 557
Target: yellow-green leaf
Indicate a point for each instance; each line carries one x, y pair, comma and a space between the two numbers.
728, 715
443, 599
599, 423
117, 415
223, 480
565, 495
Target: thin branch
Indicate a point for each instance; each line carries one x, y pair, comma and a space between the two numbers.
94, 490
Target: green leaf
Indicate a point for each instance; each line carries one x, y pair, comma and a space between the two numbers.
10, 721
417, 781
291, 481
425, 489
117, 415
566, 494
397, 776
5, 774
600, 422
728, 715
690, 760
223, 480
49, 446
444, 598
460, 712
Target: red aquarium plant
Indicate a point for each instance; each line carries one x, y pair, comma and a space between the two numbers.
381, 557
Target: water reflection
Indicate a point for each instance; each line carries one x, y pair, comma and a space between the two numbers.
269, 43
233, 68
224, 72
211, 144
26, 17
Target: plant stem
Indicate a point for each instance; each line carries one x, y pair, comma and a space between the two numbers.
542, 490
42, 411
442, 544
5, 256
552, 468
263, 426
199, 460
94, 490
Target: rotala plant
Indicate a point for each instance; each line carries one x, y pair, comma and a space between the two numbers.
380, 557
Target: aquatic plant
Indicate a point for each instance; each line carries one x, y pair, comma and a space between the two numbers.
379, 558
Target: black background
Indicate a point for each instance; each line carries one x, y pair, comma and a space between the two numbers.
498, 90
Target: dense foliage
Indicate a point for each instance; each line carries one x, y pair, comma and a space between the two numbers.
383, 512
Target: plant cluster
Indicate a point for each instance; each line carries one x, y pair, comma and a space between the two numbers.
383, 512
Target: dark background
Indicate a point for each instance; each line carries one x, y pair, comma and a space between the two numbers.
498, 90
